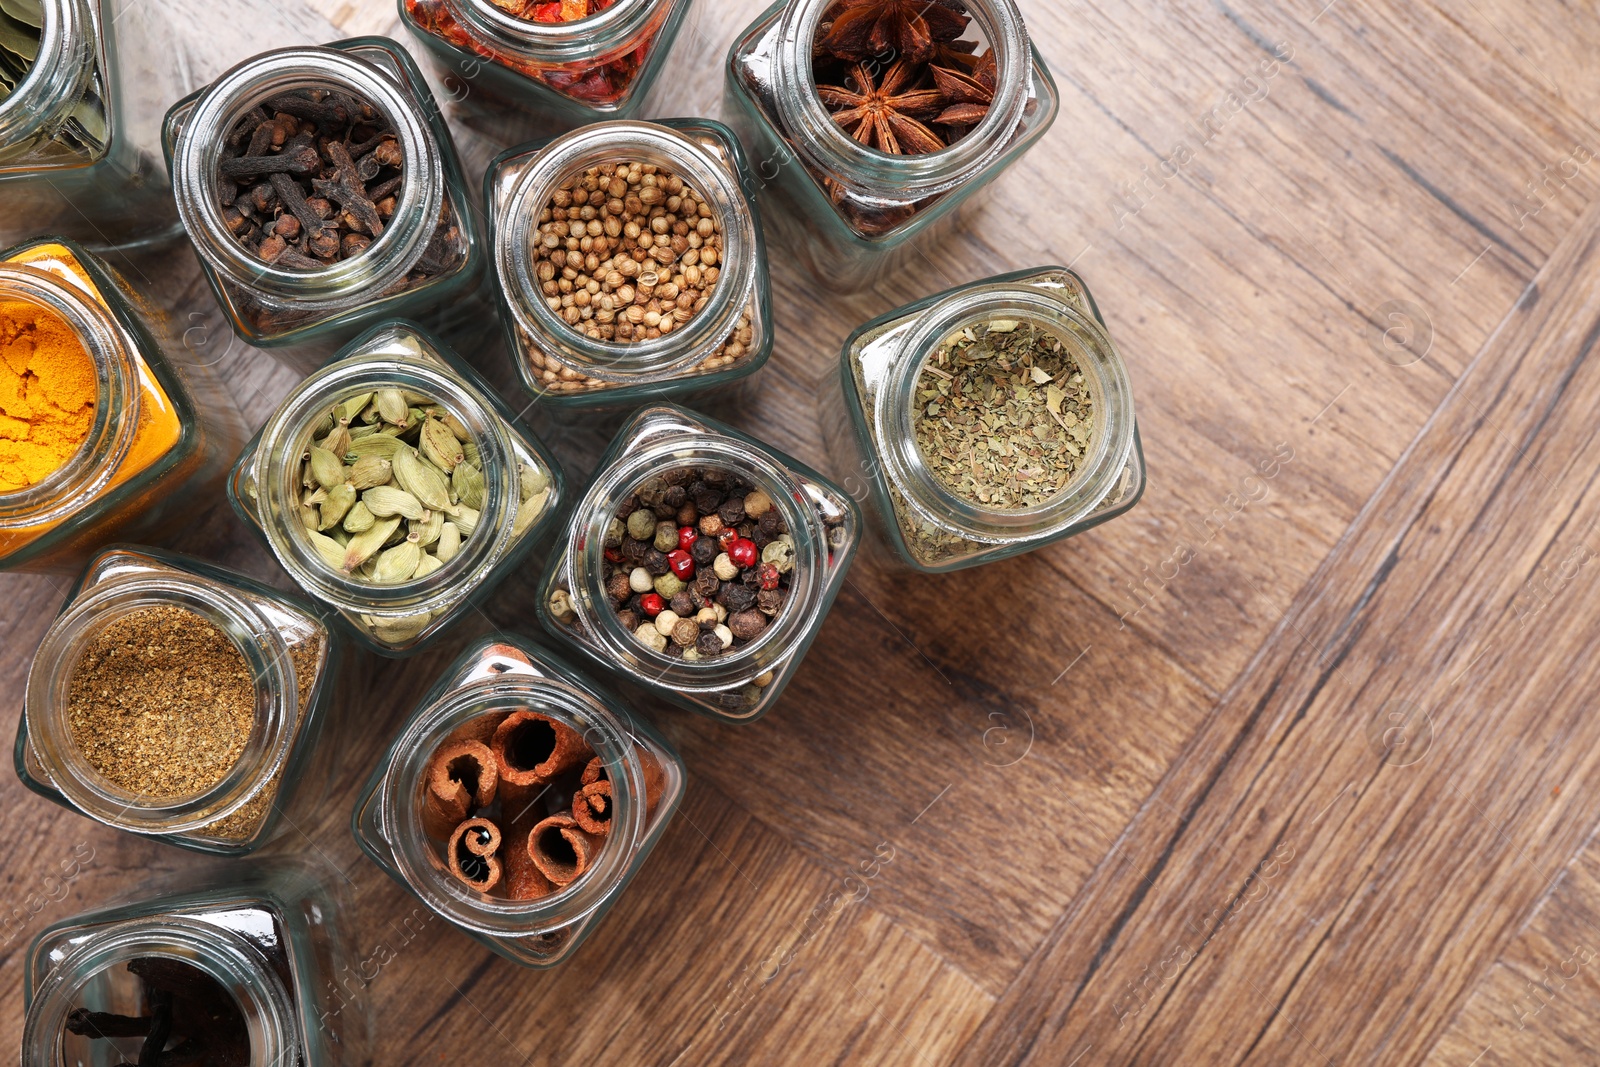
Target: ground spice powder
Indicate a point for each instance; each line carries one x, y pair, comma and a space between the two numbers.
162, 703
47, 394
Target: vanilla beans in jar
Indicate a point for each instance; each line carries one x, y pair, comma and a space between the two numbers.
394, 486
321, 190
873, 121
629, 262
519, 800
699, 564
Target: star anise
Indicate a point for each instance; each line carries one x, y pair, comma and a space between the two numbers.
969, 95
886, 116
909, 29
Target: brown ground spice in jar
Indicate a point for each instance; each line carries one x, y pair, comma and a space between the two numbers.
162, 703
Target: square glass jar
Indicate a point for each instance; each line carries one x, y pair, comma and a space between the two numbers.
497, 675
728, 338
80, 134
868, 423
847, 211
819, 520
267, 933
566, 73
162, 431
521, 488
428, 255
294, 659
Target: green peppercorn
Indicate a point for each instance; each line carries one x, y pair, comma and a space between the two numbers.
642, 524
666, 537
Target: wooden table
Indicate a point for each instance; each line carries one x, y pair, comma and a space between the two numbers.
1287, 769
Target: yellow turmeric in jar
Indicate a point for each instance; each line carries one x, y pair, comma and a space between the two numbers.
47, 394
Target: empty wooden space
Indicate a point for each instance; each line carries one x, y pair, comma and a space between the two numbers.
1277, 768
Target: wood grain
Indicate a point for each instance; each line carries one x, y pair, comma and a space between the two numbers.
1137, 812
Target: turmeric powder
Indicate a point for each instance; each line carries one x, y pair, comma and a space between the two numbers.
47, 394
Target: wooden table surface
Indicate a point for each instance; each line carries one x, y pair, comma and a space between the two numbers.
1287, 768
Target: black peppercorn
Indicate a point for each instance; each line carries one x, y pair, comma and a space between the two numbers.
736, 597
675, 496
708, 643
705, 498
747, 624
617, 587
665, 512
688, 515
771, 523
732, 512
655, 561
674, 650
634, 549
705, 552
683, 603
715, 478
706, 583
629, 619
769, 601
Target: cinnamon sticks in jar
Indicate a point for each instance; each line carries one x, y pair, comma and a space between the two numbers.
519, 805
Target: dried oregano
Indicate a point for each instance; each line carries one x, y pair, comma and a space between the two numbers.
1002, 415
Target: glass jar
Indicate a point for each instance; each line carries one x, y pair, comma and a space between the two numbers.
569, 73
729, 338
265, 938
161, 432
497, 675
848, 211
293, 659
870, 430
743, 684
79, 133
427, 256
521, 488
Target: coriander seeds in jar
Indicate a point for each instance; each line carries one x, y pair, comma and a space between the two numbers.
395, 487
629, 263
987, 421
699, 564
321, 190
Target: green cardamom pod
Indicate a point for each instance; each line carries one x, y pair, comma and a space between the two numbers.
326, 468
449, 542
440, 445
360, 518
337, 441
338, 534
426, 566
415, 399
466, 520
392, 407
350, 407
309, 518
312, 497
468, 483
527, 511
363, 546
341, 498
421, 482
458, 428
327, 548
369, 414
534, 480
474, 456
387, 501
360, 430
399, 563
379, 444
370, 471
397, 631
323, 426
428, 527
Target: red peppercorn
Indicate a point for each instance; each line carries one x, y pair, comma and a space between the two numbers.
727, 537
652, 604
743, 552
769, 576
682, 564
687, 536
614, 555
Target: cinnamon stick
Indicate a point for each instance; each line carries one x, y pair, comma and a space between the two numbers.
472, 854
530, 749
561, 849
591, 807
524, 880
461, 779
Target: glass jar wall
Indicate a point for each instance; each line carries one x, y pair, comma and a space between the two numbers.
82, 91
132, 443
746, 548
879, 423
239, 972
74, 748
339, 480
385, 226
847, 194
519, 800
629, 263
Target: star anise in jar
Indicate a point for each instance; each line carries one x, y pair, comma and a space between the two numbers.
887, 115
909, 29
969, 95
